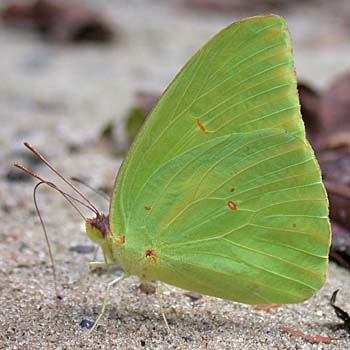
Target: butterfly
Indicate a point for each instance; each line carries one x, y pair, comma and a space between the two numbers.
220, 192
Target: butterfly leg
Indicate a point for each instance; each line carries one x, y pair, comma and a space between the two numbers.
162, 309
90, 265
105, 299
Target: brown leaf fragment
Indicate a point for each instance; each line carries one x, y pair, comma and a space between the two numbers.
335, 164
193, 295
340, 248
309, 106
339, 198
310, 338
335, 105
235, 5
337, 139
266, 307
147, 288
326, 114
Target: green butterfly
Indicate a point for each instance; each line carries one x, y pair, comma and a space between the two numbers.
221, 193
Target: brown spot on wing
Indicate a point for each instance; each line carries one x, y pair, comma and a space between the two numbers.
149, 253
121, 240
232, 205
201, 126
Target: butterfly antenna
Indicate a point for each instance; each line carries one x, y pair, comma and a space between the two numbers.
100, 193
46, 237
66, 195
74, 188
71, 201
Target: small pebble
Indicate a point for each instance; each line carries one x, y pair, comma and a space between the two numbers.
193, 296
82, 249
187, 339
86, 324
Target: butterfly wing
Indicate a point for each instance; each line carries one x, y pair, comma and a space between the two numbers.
221, 185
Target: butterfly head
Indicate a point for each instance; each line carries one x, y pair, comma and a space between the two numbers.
97, 228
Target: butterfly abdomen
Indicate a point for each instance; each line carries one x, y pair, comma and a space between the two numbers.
141, 259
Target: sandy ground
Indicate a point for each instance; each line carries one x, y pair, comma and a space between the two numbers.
59, 97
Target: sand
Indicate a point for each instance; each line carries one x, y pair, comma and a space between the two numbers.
59, 97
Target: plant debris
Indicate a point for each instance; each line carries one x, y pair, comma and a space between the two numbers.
343, 315
147, 288
59, 20
193, 295
314, 339
340, 248
326, 117
234, 5
266, 307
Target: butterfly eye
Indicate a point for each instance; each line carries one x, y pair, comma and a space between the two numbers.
94, 233
98, 228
